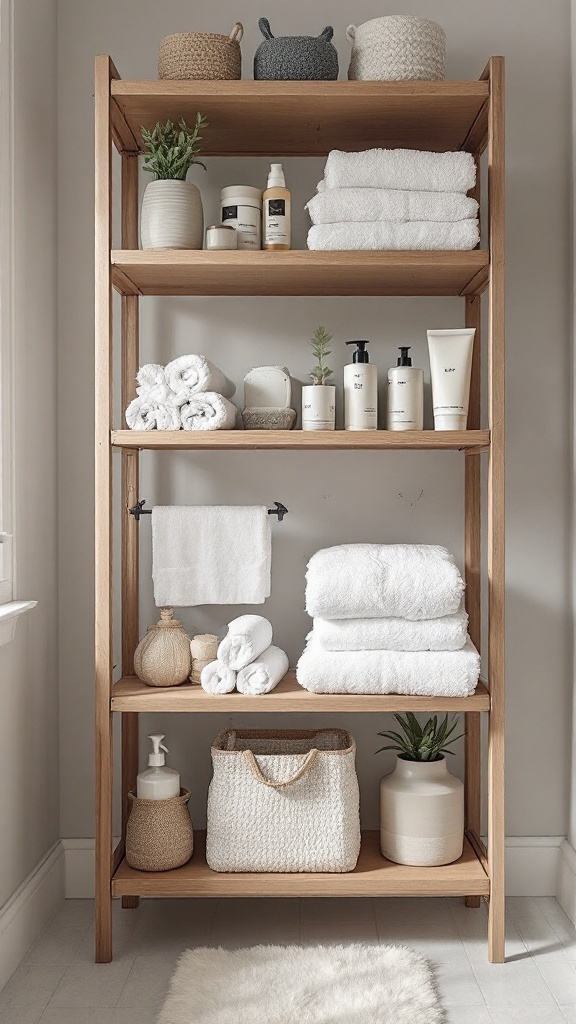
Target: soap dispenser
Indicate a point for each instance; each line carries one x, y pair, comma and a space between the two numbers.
157, 782
360, 390
405, 394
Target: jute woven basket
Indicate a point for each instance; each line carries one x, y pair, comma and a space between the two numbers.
159, 834
204, 56
397, 48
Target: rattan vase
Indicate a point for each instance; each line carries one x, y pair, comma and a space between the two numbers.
162, 657
206, 56
159, 833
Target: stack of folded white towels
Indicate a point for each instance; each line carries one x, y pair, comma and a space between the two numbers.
190, 393
388, 618
395, 199
247, 660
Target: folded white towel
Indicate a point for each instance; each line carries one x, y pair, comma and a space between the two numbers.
384, 234
264, 674
208, 411
217, 678
192, 373
248, 637
417, 673
215, 554
410, 169
147, 414
373, 581
374, 204
444, 634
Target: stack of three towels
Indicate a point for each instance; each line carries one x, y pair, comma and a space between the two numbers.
190, 393
388, 618
247, 660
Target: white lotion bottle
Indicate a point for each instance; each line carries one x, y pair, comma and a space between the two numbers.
157, 782
360, 391
405, 409
276, 213
451, 354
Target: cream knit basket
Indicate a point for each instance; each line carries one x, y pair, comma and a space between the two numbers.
397, 48
283, 800
204, 56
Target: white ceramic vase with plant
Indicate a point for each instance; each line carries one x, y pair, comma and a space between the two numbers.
421, 803
172, 215
319, 398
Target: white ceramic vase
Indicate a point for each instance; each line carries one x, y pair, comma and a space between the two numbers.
172, 216
318, 407
421, 814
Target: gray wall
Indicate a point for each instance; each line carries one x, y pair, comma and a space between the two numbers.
340, 496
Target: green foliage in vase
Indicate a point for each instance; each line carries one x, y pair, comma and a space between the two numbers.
320, 342
422, 742
173, 148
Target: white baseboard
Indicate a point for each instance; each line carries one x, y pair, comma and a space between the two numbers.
29, 910
566, 888
531, 864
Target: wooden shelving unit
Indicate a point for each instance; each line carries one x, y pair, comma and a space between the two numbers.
315, 117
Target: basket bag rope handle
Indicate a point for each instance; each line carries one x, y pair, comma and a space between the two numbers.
351, 33
255, 769
237, 32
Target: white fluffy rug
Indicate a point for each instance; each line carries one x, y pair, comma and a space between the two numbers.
352, 984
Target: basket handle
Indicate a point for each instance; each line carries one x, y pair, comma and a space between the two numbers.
351, 33
264, 26
237, 32
256, 772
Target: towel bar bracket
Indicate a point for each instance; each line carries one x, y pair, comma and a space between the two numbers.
139, 510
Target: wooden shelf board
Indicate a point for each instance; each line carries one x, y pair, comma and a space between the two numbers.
373, 876
130, 694
298, 272
310, 118
307, 440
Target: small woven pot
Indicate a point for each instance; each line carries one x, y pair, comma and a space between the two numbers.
204, 650
295, 58
397, 48
159, 833
162, 657
205, 56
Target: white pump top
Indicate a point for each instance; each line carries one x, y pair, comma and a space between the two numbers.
156, 759
276, 176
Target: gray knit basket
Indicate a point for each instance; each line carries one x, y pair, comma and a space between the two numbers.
295, 58
397, 48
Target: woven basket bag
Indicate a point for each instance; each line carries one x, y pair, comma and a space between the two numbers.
204, 56
283, 800
159, 834
397, 48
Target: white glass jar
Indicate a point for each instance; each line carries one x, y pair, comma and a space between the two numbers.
241, 208
221, 236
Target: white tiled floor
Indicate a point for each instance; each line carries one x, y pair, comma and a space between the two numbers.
59, 984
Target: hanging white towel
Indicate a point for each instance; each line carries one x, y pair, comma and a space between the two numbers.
373, 204
248, 636
217, 678
216, 554
264, 674
191, 374
147, 414
208, 411
447, 633
422, 235
410, 169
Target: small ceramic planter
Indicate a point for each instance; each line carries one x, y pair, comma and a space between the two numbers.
318, 407
172, 216
421, 814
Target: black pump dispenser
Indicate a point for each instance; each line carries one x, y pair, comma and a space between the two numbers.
360, 355
404, 359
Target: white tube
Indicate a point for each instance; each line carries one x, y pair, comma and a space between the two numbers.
450, 367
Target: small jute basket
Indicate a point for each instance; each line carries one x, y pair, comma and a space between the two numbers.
203, 56
396, 48
159, 833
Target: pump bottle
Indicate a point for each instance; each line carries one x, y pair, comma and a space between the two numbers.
276, 211
360, 391
405, 394
157, 782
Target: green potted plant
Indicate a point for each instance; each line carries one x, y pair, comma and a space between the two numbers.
421, 803
319, 398
172, 216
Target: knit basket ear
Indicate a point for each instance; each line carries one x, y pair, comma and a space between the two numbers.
351, 33
264, 26
326, 33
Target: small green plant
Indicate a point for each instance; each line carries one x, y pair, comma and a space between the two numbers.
422, 742
173, 148
320, 342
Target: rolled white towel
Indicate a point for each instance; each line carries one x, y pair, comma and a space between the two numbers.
416, 673
406, 169
147, 414
208, 411
248, 636
264, 674
447, 633
373, 581
375, 204
150, 375
422, 235
191, 374
217, 678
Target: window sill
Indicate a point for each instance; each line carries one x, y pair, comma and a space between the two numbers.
9, 615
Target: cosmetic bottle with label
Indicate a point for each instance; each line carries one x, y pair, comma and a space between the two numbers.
360, 391
276, 212
405, 394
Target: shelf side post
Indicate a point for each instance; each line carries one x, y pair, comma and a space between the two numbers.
496, 522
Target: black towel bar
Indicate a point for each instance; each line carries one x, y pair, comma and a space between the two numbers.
139, 510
